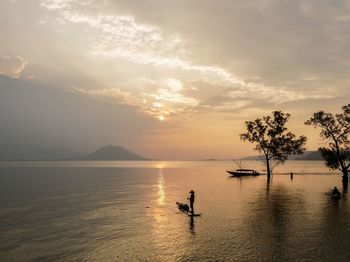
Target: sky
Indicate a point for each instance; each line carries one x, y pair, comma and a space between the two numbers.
168, 79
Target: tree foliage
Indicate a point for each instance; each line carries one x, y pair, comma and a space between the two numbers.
335, 130
239, 163
272, 138
332, 160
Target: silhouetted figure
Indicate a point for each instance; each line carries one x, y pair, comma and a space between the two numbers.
191, 198
291, 176
336, 193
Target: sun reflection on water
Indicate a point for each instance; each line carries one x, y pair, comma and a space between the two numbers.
161, 191
167, 221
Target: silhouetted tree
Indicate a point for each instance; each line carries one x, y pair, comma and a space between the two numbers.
272, 138
335, 129
239, 163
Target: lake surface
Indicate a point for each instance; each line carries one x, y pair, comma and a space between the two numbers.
126, 211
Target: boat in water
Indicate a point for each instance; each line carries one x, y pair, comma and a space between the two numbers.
243, 172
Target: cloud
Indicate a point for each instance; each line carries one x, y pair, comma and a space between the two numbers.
229, 55
12, 66
192, 62
122, 36
166, 100
109, 92
169, 99
63, 4
277, 41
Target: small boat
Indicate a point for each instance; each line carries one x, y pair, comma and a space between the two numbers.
243, 172
186, 209
183, 207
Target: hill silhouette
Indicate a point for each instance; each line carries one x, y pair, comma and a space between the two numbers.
112, 153
37, 153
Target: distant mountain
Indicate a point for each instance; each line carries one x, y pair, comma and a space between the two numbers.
251, 158
32, 152
308, 155
112, 153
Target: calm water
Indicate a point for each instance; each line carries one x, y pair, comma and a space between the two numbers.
126, 211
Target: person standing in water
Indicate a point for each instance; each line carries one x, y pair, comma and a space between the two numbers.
191, 198
336, 191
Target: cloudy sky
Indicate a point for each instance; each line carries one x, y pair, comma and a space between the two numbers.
167, 79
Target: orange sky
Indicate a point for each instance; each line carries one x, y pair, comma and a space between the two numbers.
168, 79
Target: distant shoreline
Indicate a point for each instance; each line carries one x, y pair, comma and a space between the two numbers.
148, 160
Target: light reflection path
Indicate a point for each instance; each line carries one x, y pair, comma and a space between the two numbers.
161, 192
169, 227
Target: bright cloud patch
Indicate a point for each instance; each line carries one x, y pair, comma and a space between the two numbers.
114, 92
115, 38
166, 100
121, 36
12, 66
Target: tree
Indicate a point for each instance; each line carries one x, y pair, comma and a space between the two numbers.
272, 139
335, 129
239, 163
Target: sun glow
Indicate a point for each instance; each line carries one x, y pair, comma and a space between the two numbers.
161, 118
161, 192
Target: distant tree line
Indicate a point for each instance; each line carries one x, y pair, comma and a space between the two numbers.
275, 142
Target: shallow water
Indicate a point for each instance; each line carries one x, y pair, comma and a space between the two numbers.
126, 211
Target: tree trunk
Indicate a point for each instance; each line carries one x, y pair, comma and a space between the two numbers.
268, 168
344, 168
345, 179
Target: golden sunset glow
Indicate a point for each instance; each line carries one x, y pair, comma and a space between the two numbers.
174, 130
129, 71
161, 192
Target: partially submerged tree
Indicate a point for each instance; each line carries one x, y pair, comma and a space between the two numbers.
335, 129
239, 163
272, 139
